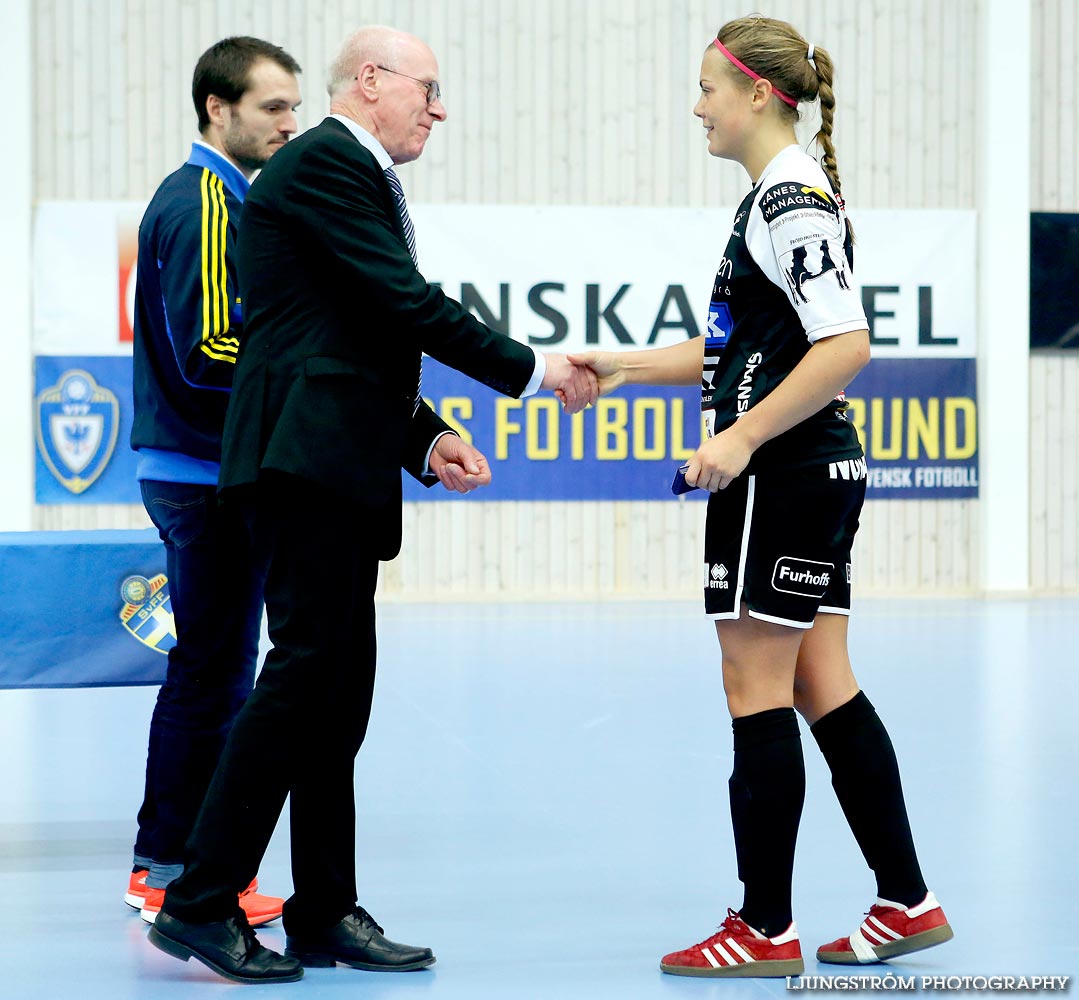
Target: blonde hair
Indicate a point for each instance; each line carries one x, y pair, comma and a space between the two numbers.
776, 51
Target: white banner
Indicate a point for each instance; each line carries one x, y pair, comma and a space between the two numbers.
560, 278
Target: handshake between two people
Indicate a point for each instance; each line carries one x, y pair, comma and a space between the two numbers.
578, 380
461, 467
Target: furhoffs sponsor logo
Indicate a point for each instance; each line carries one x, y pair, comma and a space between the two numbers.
803, 577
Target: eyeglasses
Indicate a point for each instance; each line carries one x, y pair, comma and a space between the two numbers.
434, 93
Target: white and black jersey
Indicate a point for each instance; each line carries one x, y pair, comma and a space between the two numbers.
784, 283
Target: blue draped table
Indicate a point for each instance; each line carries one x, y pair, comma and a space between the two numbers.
83, 609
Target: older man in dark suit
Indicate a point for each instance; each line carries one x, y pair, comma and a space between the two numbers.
325, 412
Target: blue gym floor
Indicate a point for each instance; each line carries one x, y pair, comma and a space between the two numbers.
543, 801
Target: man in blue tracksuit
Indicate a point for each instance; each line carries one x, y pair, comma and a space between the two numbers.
188, 324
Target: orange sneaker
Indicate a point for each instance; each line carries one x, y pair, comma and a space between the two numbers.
260, 909
738, 950
889, 930
151, 904
136, 889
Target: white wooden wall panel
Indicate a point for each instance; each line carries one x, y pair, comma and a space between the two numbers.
1054, 500
17, 69
555, 102
1054, 376
1055, 107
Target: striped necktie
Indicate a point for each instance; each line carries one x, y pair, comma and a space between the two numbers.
410, 239
402, 209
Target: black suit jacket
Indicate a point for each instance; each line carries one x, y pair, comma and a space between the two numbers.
336, 317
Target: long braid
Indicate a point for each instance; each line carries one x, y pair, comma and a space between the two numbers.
823, 137
827, 116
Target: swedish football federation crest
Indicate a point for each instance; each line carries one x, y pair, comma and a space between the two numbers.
147, 611
77, 424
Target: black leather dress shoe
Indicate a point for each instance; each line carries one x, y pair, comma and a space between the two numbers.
229, 947
357, 941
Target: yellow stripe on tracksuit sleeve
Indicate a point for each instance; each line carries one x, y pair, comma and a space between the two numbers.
216, 343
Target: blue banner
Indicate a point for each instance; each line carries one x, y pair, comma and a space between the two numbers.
82, 426
917, 418
918, 421
83, 609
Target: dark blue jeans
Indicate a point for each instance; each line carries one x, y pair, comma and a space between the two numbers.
216, 594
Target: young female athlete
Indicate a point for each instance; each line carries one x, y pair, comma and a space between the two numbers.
786, 333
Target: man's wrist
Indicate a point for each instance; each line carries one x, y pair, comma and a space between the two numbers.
430, 451
539, 373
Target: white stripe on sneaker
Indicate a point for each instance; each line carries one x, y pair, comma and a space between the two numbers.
746, 956
711, 958
872, 934
727, 957
883, 928
862, 949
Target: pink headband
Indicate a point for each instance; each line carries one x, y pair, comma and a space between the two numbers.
754, 76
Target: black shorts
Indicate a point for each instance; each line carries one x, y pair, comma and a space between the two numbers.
780, 542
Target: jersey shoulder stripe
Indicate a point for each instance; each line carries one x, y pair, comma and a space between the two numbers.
216, 343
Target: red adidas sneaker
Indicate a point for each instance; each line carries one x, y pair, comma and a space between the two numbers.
259, 909
889, 930
738, 950
136, 889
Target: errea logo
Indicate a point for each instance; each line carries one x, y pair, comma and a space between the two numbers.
715, 576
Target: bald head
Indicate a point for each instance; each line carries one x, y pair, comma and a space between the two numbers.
376, 44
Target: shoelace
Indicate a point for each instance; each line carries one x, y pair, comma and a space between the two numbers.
366, 918
733, 925
879, 911
251, 941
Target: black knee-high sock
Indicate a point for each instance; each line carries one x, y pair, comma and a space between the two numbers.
767, 789
865, 776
